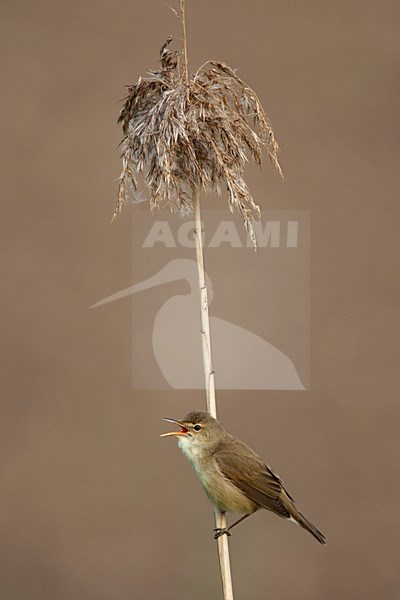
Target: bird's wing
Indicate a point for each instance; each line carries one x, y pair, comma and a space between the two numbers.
248, 472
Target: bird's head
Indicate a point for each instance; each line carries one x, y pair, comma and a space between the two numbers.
199, 431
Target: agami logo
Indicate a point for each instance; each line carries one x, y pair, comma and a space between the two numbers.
271, 234
259, 327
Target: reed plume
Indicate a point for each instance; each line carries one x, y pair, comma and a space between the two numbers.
186, 134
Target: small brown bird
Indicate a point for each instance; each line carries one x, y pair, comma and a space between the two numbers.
233, 476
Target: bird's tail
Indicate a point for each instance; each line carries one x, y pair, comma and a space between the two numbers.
306, 524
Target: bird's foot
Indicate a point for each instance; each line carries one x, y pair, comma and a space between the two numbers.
220, 531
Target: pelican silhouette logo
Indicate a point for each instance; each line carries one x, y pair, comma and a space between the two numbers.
259, 314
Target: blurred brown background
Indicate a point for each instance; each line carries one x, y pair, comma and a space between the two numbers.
94, 504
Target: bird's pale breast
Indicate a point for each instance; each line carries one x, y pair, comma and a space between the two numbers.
220, 491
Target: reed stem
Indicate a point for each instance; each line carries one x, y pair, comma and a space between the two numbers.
185, 50
209, 380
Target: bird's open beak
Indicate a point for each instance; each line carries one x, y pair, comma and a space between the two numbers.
183, 430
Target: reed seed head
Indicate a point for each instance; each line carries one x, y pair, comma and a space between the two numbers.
186, 136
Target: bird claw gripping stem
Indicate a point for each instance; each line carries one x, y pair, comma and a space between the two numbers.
220, 531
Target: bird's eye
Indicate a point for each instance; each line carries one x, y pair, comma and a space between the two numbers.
197, 427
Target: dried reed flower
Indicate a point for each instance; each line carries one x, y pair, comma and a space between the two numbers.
187, 134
